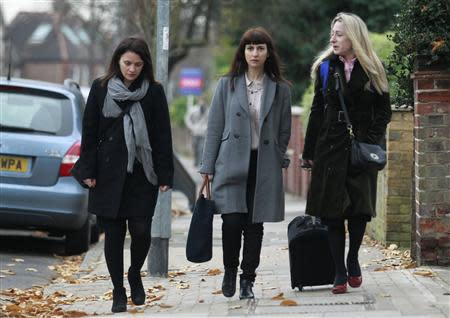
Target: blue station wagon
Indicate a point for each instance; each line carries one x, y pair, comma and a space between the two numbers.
40, 134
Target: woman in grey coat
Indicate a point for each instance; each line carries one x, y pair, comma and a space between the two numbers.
249, 127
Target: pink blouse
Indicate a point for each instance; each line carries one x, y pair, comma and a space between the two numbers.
348, 67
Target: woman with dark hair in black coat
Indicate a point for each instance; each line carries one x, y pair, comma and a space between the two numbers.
126, 158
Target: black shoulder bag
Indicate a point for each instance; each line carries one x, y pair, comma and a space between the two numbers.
363, 155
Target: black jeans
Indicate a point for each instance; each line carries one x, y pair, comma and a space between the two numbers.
115, 230
237, 224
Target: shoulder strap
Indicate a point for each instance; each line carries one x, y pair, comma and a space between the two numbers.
324, 67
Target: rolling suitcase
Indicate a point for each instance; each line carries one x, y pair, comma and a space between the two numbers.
310, 259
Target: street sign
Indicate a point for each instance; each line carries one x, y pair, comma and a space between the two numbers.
191, 81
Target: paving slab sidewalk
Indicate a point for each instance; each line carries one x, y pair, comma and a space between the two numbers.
192, 292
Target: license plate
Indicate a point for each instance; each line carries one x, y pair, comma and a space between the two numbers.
13, 164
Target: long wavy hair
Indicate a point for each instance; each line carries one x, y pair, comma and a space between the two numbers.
272, 65
132, 44
356, 30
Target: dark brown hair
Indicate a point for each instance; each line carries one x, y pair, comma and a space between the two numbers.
131, 44
272, 65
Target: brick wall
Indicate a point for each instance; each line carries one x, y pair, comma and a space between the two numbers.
432, 167
296, 180
394, 192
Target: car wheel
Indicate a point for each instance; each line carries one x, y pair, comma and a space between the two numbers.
95, 233
77, 242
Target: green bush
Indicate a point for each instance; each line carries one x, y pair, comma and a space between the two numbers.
421, 30
177, 111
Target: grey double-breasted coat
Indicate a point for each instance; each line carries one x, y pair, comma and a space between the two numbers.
227, 148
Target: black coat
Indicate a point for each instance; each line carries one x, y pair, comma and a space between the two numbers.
337, 189
104, 154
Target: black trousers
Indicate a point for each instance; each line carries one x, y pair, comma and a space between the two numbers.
115, 230
238, 225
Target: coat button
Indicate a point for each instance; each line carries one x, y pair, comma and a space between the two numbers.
238, 114
110, 138
266, 142
236, 136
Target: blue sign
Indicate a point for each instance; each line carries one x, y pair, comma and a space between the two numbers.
191, 81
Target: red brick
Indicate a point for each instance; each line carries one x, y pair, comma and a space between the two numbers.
428, 243
433, 96
428, 255
425, 83
442, 108
424, 109
442, 83
444, 241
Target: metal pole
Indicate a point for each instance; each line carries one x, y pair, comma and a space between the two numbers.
158, 256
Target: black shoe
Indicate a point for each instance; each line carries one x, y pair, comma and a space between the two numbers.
119, 300
246, 291
229, 282
136, 287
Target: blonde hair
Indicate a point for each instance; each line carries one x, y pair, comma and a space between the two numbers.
356, 30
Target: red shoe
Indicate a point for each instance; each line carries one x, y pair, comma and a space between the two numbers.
355, 281
339, 289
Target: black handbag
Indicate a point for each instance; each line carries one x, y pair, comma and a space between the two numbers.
200, 236
362, 155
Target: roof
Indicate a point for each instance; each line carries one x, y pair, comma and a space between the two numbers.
45, 36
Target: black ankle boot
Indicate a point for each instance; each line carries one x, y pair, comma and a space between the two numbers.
229, 282
136, 287
119, 300
246, 291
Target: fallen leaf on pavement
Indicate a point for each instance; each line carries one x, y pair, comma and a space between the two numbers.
175, 274
11, 264
288, 302
424, 273
217, 292
155, 298
18, 260
165, 306
30, 269
7, 272
269, 288
135, 311
280, 296
201, 301
213, 272
236, 307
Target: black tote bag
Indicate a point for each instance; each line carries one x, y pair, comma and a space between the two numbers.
200, 235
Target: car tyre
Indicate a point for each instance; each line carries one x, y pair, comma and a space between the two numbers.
77, 242
95, 233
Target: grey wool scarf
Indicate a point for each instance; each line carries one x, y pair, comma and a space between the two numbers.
134, 126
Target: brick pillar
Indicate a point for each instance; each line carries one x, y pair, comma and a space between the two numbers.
296, 180
432, 167
394, 191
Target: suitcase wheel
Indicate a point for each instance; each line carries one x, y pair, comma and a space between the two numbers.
300, 288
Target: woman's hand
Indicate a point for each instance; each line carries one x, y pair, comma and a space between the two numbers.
307, 164
210, 176
164, 188
90, 182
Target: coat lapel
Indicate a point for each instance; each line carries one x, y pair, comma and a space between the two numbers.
241, 91
267, 99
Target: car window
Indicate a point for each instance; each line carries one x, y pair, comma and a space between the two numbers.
35, 110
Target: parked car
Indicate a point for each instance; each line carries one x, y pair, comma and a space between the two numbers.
40, 134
